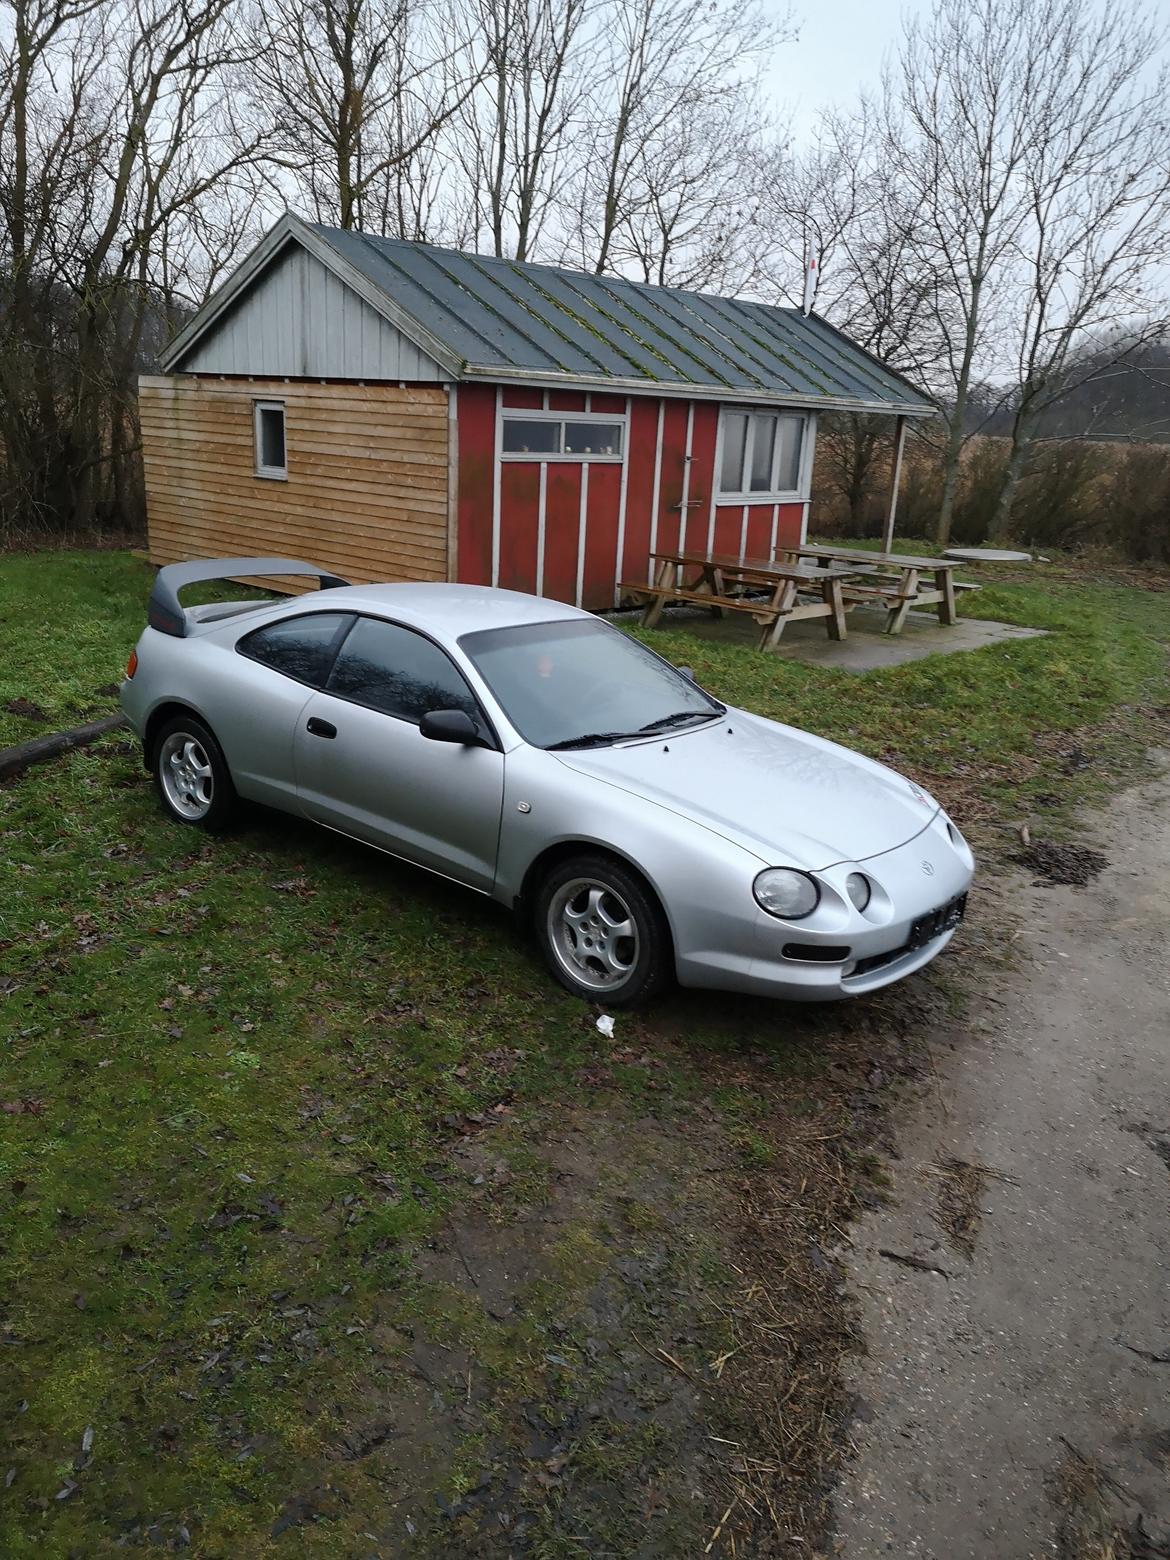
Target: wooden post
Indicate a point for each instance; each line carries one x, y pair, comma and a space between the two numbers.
832, 595
895, 482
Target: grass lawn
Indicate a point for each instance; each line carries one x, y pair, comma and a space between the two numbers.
329, 1226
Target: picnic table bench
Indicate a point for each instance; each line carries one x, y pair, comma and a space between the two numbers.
770, 591
894, 580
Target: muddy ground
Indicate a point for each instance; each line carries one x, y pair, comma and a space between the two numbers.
1014, 1397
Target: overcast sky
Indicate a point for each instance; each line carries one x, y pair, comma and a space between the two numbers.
841, 45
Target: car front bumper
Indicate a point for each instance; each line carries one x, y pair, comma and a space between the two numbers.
840, 952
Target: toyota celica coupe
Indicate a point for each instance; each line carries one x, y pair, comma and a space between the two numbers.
537, 754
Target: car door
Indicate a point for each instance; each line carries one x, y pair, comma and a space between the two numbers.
363, 765
261, 685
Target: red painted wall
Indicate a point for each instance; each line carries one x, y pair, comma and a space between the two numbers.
589, 553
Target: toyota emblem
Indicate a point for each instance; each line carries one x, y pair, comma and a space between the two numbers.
928, 868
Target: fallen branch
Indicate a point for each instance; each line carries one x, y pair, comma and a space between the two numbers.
916, 1263
15, 760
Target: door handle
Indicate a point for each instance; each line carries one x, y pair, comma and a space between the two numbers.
320, 728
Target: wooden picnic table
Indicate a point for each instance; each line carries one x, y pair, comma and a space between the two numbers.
891, 579
725, 583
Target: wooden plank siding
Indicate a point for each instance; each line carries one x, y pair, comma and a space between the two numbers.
367, 489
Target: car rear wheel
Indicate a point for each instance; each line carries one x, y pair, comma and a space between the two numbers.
191, 775
602, 932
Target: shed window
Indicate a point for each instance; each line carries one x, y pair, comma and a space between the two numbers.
268, 425
761, 454
545, 436
525, 438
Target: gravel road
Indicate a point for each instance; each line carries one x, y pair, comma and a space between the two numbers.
1017, 1403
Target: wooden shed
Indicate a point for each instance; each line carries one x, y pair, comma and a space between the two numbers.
398, 411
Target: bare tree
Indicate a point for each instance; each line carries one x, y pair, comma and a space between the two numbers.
838, 203
973, 91
665, 65
692, 204
112, 133
521, 125
348, 93
1089, 258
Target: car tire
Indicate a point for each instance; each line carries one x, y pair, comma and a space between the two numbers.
191, 774
579, 912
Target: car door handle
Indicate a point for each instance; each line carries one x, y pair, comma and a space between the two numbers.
320, 728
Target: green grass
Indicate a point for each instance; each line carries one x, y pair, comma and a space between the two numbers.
68, 621
250, 1081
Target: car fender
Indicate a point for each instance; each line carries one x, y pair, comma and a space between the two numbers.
162, 677
702, 881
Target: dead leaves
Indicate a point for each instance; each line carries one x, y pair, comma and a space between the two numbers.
22, 1107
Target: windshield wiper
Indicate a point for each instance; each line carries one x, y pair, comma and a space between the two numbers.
666, 721
591, 739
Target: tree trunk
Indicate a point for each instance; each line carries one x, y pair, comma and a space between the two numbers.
1001, 519
953, 452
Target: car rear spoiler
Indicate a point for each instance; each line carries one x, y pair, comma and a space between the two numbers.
163, 610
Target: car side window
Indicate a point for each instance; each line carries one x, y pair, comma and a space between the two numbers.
301, 647
392, 669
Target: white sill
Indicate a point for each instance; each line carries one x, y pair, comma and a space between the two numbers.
531, 456
759, 498
271, 474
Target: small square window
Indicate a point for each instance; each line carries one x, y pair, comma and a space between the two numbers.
268, 425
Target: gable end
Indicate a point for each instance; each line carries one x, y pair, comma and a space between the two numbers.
296, 319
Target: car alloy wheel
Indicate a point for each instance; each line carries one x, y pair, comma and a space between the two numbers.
593, 934
191, 774
186, 775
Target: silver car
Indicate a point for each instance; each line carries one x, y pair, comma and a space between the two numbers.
537, 754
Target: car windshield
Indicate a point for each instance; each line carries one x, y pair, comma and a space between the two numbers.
580, 683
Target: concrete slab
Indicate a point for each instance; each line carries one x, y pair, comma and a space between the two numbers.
866, 648
987, 555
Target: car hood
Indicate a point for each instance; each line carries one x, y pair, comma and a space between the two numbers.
785, 795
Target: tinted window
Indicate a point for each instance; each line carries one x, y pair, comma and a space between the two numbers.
300, 647
397, 671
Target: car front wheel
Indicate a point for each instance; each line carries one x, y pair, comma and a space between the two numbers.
602, 932
191, 775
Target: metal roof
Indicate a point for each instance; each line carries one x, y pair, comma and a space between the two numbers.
485, 318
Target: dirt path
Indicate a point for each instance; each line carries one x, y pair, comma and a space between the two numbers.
1017, 1403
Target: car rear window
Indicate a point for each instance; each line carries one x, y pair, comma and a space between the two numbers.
300, 647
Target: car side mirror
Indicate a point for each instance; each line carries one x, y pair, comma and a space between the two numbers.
451, 726
687, 671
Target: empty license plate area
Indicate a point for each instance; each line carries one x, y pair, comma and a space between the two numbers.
935, 922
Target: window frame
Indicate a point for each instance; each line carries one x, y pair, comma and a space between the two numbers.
264, 471
340, 636
491, 738
559, 457
774, 494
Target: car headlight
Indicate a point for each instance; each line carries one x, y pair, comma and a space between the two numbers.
859, 889
785, 892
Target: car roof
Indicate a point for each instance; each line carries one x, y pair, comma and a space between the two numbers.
445, 609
